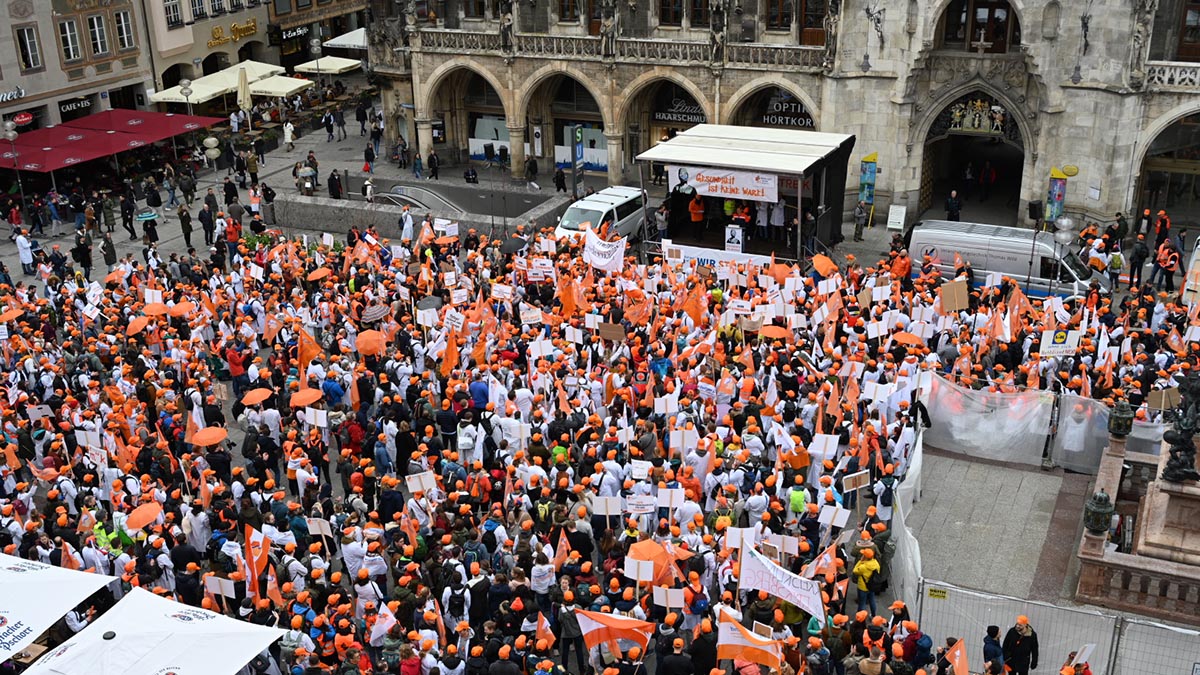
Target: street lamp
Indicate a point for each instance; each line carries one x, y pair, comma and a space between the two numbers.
185, 89
314, 47
10, 134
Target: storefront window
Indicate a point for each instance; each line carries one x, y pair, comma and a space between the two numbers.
68, 35
27, 48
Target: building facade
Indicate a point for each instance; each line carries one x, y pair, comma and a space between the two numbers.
295, 23
193, 38
62, 59
944, 92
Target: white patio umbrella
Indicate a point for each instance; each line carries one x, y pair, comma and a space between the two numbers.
34, 595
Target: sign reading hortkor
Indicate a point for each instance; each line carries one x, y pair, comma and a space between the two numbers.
759, 187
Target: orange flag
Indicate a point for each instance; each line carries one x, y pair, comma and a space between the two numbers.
566, 295
271, 328
189, 429
355, 401
273, 587
450, 356
564, 550
69, 561
205, 492
957, 657
543, 630
307, 351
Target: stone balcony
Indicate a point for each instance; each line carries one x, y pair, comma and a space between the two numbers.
628, 50
1173, 76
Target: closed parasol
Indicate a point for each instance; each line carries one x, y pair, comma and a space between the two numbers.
371, 343
256, 396
305, 397
210, 436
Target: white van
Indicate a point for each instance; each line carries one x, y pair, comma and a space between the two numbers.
621, 206
1056, 270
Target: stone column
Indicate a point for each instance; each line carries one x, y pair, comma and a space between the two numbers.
516, 150
616, 156
424, 137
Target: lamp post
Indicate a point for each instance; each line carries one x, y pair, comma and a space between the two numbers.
185, 88
314, 48
10, 134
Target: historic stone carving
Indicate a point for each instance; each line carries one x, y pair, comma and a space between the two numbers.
716, 31
832, 18
21, 9
1181, 466
608, 28
1139, 41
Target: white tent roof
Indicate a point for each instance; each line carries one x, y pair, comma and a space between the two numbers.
145, 634
329, 65
355, 39
222, 82
200, 94
279, 85
778, 151
34, 595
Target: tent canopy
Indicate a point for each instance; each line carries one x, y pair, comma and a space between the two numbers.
34, 595
329, 65
355, 39
154, 635
200, 94
279, 85
152, 126
779, 151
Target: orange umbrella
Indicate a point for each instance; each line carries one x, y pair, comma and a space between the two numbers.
780, 272
182, 309
318, 274
137, 325
11, 315
143, 515
306, 397
775, 333
156, 309
114, 277
444, 241
908, 339
371, 342
824, 266
256, 396
210, 436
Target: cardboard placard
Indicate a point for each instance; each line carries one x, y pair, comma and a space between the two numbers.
454, 320
1164, 399
640, 469
530, 315
327, 239
955, 296
37, 412
670, 498
636, 504
317, 417
639, 570
834, 516
459, 295
421, 482
611, 331
856, 481
737, 537
427, 318
668, 597
864, 297
607, 506
320, 527
762, 629
219, 586
502, 291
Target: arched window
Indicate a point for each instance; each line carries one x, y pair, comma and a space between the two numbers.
984, 26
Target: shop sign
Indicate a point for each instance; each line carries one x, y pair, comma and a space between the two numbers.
75, 104
682, 111
13, 94
236, 32
759, 187
297, 32
21, 119
787, 114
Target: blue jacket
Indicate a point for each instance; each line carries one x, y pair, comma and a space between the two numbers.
479, 394
333, 391
992, 650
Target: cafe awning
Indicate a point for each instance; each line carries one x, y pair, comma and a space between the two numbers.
330, 65
217, 84
355, 39
279, 85
54, 148
148, 125
782, 152
200, 94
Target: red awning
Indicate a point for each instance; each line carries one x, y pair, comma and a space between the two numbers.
53, 148
146, 125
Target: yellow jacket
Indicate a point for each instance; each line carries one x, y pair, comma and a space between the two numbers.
863, 571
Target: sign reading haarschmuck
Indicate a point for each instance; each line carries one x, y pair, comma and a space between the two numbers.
758, 187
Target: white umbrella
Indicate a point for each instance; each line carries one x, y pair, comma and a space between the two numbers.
355, 39
328, 65
34, 595
145, 634
244, 101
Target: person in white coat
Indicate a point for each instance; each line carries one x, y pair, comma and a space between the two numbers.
25, 252
289, 135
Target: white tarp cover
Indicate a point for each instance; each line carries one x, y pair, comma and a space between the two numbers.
989, 425
783, 152
328, 65
279, 85
34, 595
355, 39
154, 635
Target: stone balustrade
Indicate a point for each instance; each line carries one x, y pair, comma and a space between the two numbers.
1173, 75
1133, 583
634, 50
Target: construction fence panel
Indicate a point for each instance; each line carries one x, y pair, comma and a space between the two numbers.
1082, 434
906, 561
950, 611
989, 425
1146, 437
1151, 647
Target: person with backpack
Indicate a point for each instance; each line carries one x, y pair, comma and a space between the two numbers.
456, 600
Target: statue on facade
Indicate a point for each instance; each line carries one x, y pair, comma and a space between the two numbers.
608, 28
716, 31
1181, 466
506, 29
1139, 41
832, 19
410, 20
